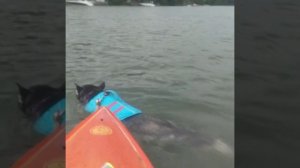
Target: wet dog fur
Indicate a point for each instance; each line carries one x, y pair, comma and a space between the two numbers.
35, 100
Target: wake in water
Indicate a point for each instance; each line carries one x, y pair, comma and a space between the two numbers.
166, 134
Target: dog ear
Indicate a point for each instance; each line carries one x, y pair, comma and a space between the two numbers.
78, 89
101, 86
23, 91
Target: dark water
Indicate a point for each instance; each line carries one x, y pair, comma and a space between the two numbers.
267, 80
174, 63
29, 54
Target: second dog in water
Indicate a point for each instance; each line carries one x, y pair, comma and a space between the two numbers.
43, 105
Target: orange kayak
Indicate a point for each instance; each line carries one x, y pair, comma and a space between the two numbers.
50, 152
102, 141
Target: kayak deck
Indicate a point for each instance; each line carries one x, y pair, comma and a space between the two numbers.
102, 141
50, 152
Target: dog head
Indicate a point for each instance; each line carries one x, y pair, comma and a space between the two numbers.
86, 92
35, 100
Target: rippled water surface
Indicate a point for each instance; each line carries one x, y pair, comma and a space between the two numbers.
29, 54
174, 63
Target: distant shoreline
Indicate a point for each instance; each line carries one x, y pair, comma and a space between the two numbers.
192, 3
155, 6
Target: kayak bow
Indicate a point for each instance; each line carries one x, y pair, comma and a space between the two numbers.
101, 140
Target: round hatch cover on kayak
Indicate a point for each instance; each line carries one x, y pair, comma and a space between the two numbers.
101, 130
107, 165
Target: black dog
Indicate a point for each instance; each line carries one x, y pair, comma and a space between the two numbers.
147, 129
84, 94
35, 100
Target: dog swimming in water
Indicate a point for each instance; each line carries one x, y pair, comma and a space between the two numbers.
147, 129
43, 105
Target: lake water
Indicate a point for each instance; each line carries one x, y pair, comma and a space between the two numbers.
30, 55
174, 63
